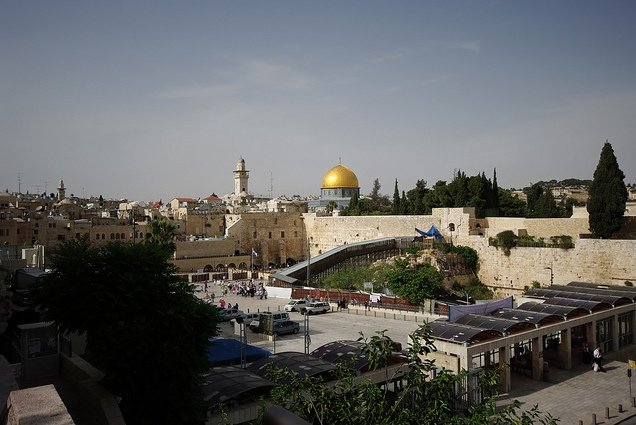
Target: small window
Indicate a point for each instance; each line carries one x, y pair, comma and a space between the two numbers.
270, 235
116, 235
254, 235
103, 236
97, 236
295, 233
282, 234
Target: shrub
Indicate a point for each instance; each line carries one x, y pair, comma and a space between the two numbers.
506, 240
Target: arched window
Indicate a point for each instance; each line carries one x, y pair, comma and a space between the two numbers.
103, 236
123, 236
97, 236
112, 236
116, 235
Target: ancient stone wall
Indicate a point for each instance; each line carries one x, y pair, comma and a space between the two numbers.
592, 260
538, 227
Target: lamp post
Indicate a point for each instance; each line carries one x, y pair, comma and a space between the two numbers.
306, 318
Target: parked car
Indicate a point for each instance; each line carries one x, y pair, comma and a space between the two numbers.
276, 317
295, 305
247, 318
283, 327
228, 314
316, 308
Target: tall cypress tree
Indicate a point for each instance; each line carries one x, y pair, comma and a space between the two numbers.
495, 191
395, 208
608, 195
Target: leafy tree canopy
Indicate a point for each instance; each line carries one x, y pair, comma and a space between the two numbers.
144, 327
423, 399
414, 284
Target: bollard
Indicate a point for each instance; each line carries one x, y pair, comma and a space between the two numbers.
593, 418
607, 416
633, 401
620, 408
580, 422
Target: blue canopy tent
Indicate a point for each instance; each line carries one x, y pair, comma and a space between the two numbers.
227, 351
432, 232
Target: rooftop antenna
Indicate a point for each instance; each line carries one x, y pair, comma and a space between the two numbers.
19, 182
340, 160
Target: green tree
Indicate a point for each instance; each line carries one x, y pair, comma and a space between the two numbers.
348, 278
545, 206
510, 205
533, 193
162, 234
145, 330
608, 195
415, 284
423, 399
395, 206
468, 255
378, 204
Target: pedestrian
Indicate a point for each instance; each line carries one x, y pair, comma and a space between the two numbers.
212, 296
598, 358
222, 303
236, 306
366, 305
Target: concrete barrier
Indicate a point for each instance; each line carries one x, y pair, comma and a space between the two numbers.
86, 378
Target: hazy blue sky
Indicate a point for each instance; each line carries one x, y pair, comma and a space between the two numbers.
154, 99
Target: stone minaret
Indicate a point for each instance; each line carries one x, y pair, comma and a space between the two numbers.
241, 175
61, 191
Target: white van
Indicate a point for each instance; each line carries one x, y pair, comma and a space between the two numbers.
295, 305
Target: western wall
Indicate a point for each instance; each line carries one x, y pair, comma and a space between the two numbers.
592, 260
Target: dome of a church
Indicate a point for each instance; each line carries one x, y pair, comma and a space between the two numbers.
340, 176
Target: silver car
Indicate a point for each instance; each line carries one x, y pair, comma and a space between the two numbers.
283, 327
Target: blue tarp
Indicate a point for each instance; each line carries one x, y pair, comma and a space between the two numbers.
432, 232
227, 351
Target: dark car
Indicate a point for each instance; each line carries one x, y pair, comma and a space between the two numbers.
283, 327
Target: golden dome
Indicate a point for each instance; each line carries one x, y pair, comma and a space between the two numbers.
340, 177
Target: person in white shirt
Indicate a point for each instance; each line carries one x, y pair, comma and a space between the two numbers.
598, 358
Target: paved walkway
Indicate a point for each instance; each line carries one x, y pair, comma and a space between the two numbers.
571, 396
576, 395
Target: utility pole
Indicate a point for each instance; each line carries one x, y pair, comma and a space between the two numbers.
306, 318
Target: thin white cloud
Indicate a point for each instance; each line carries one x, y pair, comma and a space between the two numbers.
386, 57
271, 75
197, 91
434, 80
248, 75
470, 45
474, 46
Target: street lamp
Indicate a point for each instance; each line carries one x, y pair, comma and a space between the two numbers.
306, 318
